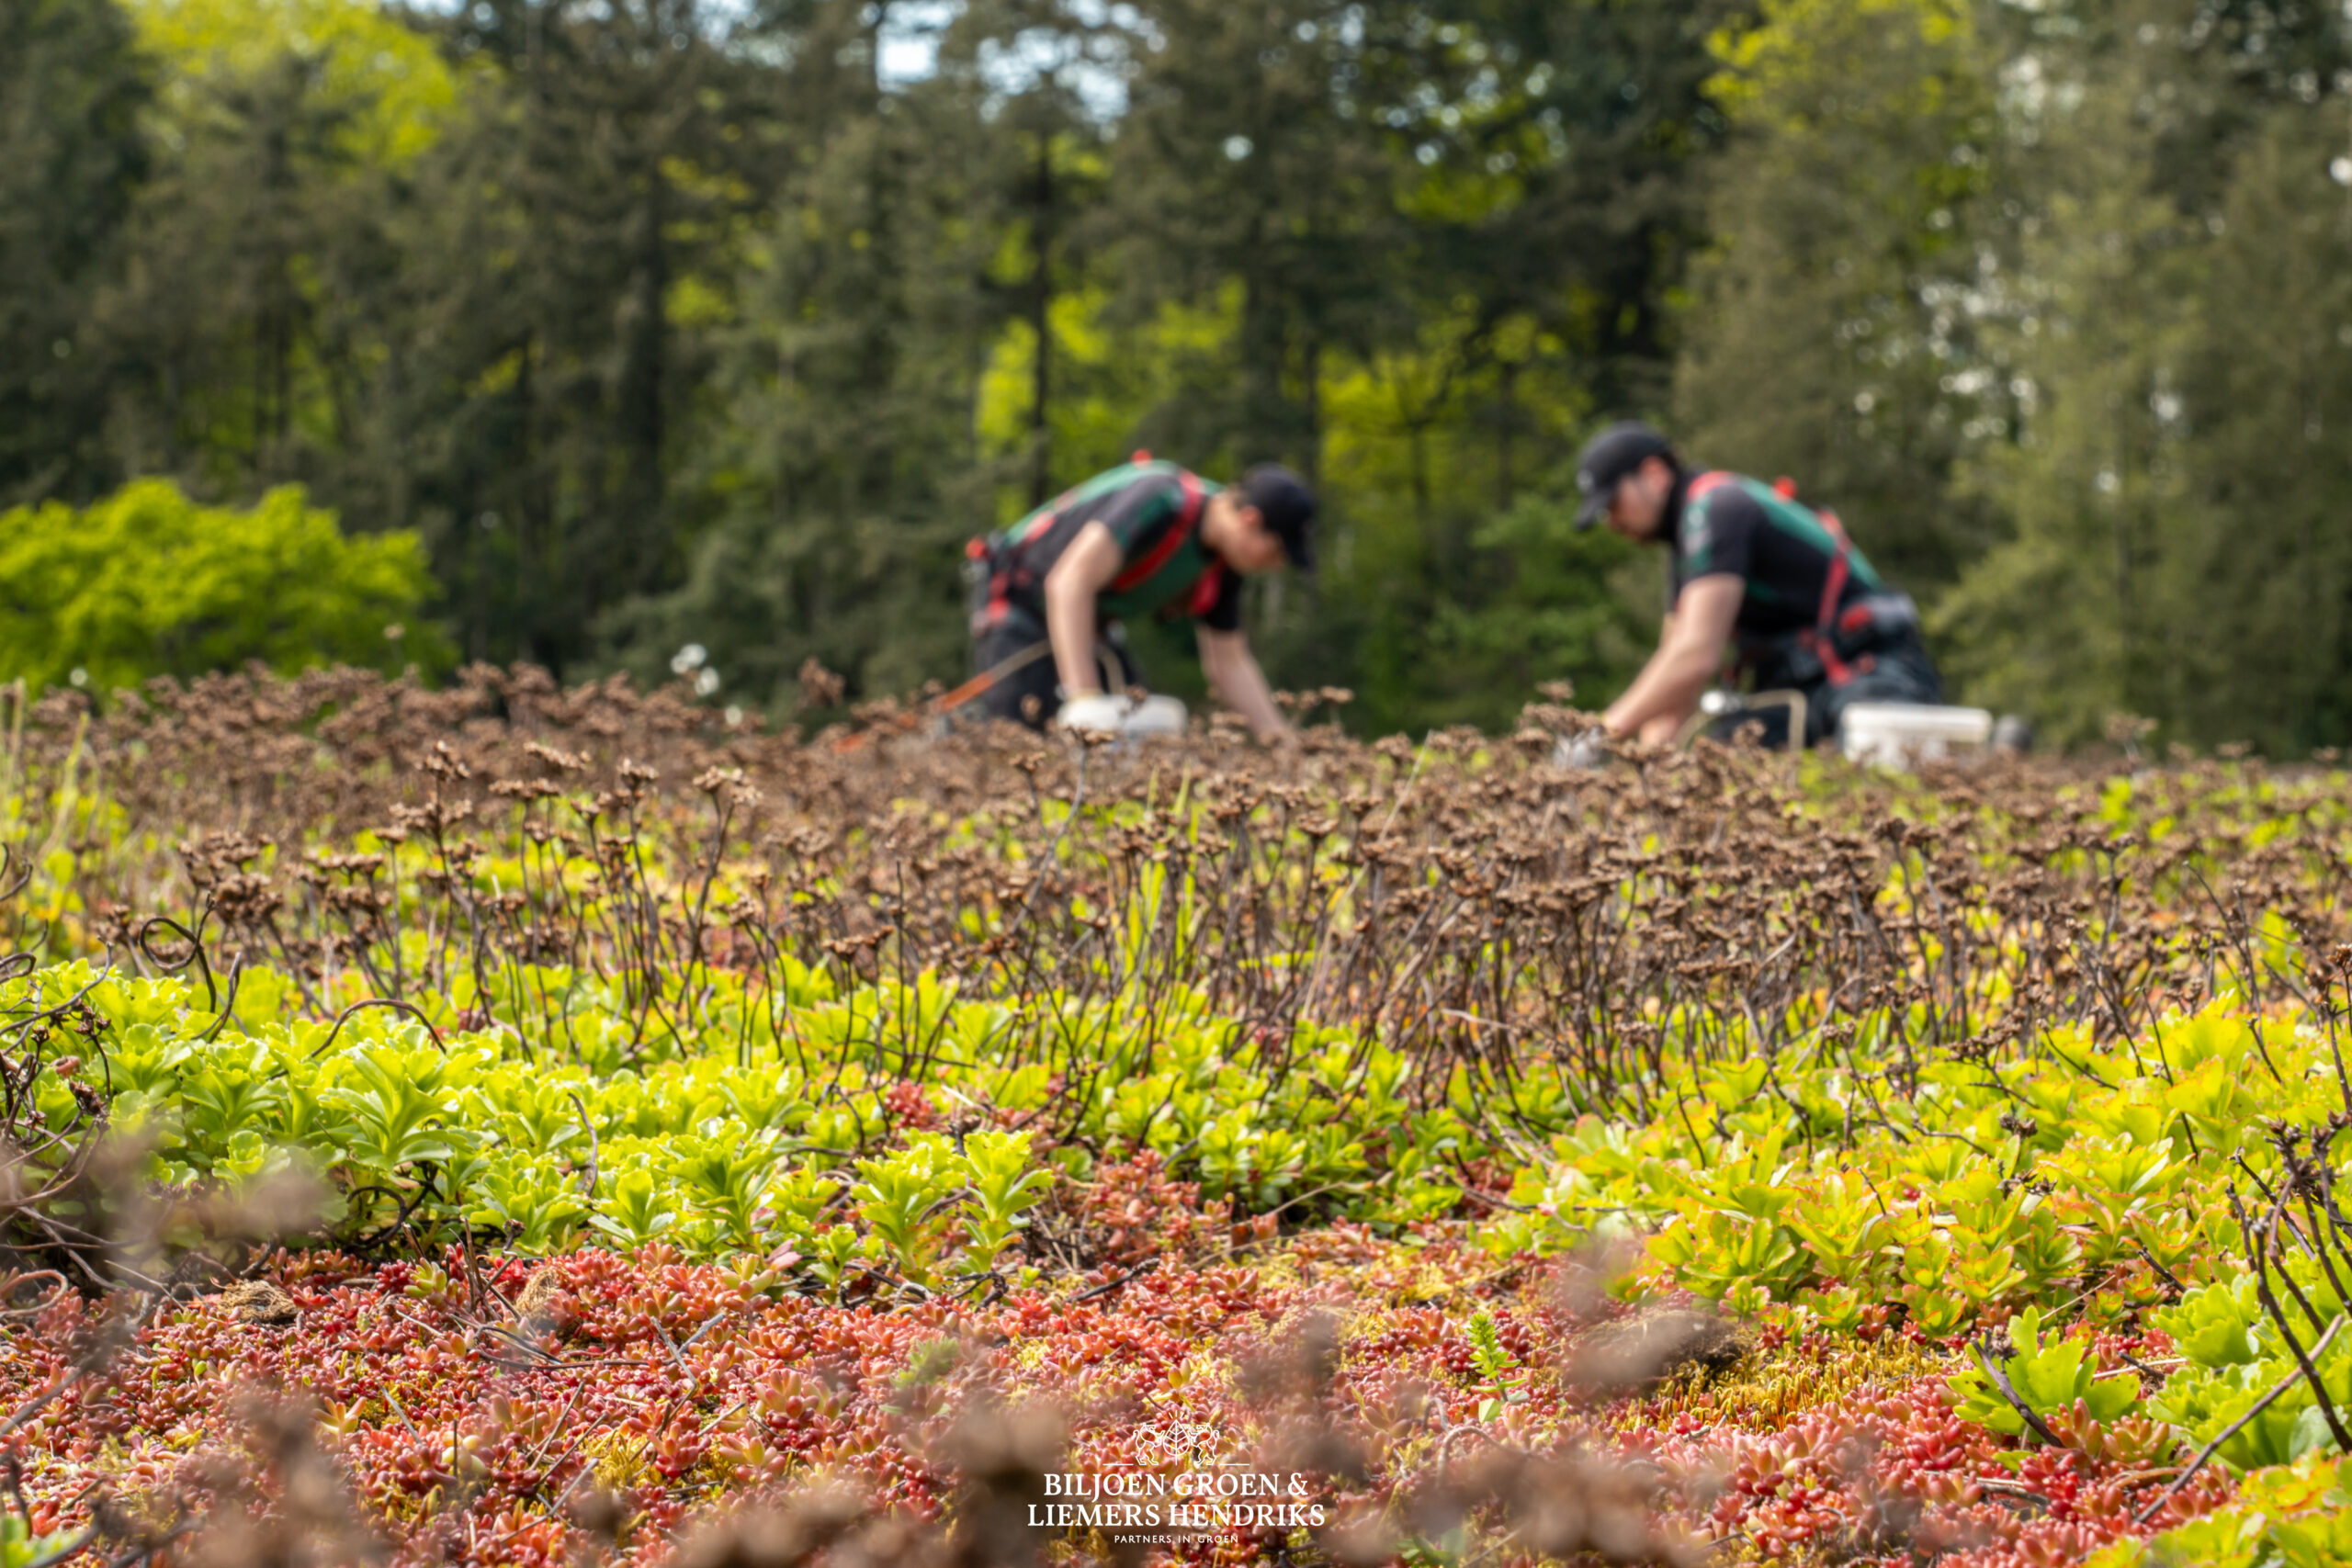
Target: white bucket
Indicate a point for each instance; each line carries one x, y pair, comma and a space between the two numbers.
1154, 715
1896, 735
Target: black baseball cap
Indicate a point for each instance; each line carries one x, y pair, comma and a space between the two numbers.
1608, 459
1282, 499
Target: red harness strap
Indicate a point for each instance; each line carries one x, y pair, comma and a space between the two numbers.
999, 592
1170, 542
1821, 638
1205, 590
1833, 588
1001, 582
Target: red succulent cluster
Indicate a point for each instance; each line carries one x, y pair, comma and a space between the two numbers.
504, 1410
1896, 1475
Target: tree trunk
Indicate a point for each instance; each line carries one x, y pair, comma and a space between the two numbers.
1041, 301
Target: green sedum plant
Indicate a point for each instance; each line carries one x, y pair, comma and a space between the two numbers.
756, 1133
2049, 1377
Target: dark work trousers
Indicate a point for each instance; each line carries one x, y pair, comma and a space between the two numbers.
1898, 670
1030, 695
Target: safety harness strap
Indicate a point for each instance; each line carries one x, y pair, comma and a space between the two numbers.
1000, 557
1140, 570
1833, 588
1821, 637
1206, 591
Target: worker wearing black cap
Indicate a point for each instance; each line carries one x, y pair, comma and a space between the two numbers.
1751, 569
1147, 538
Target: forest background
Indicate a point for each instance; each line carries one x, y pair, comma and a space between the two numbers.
603, 327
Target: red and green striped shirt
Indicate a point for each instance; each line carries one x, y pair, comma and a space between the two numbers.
1153, 512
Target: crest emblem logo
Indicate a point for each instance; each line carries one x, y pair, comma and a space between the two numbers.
1174, 1441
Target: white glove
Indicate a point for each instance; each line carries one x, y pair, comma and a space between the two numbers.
1107, 715
1583, 752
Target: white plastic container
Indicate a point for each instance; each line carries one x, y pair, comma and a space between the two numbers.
1154, 715
1897, 735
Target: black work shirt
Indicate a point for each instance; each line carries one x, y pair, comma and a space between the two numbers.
1741, 527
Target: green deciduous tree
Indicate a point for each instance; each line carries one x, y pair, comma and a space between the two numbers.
147, 583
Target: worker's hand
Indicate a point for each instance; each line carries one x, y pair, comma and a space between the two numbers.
1582, 752
1093, 711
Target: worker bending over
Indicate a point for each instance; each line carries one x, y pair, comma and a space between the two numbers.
1751, 570
1147, 538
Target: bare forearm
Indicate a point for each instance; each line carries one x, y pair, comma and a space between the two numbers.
1665, 692
1069, 622
1236, 677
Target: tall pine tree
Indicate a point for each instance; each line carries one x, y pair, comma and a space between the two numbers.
72, 157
